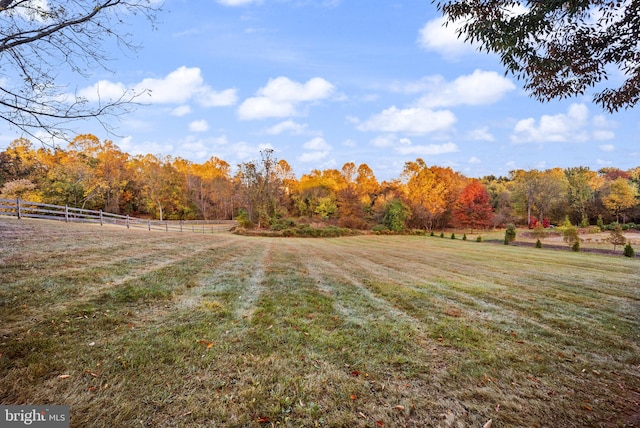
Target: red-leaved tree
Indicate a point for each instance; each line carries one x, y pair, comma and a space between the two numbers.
473, 207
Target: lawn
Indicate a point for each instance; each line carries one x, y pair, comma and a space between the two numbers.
137, 328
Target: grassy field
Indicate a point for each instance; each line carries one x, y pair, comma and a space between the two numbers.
136, 328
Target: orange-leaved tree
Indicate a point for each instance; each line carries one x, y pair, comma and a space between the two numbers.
473, 208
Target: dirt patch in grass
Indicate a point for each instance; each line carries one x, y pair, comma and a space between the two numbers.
135, 328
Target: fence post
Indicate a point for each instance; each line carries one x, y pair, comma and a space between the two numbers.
66, 213
127, 221
18, 205
180, 225
149, 223
101, 218
166, 226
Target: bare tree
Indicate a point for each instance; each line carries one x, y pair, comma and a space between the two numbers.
39, 39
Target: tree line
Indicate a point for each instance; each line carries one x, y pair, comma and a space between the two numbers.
266, 192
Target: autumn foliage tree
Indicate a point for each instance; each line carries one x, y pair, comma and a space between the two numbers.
473, 207
96, 174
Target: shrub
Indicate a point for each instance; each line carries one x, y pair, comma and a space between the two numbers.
538, 244
442, 234
379, 228
479, 238
570, 234
243, 219
432, 234
600, 222
464, 237
281, 223
584, 223
616, 237
539, 231
453, 236
576, 246
628, 250
510, 234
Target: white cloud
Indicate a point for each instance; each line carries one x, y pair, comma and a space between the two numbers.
570, 127
607, 147
281, 97
415, 121
103, 90
474, 160
481, 134
178, 87
210, 98
436, 37
181, 111
405, 146
318, 148
384, 141
479, 88
286, 90
287, 126
260, 108
427, 150
199, 126
317, 143
313, 156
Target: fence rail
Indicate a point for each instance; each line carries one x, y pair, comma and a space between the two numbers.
25, 209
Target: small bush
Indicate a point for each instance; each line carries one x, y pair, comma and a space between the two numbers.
281, 223
442, 234
576, 246
600, 222
479, 238
538, 244
584, 223
464, 237
243, 219
628, 250
453, 236
432, 234
378, 228
510, 234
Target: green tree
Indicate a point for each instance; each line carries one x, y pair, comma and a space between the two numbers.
539, 192
510, 234
581, 191
570, 234
616, 237
559, 48
396, 214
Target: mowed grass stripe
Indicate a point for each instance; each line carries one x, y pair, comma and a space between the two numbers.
543, 316
361, 331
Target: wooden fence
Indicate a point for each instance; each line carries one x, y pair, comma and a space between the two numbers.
25, 209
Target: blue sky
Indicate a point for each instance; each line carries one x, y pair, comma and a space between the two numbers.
325, 82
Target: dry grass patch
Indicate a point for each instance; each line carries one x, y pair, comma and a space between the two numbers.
168, 329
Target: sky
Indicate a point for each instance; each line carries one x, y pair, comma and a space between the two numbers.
326, 82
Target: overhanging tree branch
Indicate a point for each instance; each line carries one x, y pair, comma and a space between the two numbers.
559, 48
40, 39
